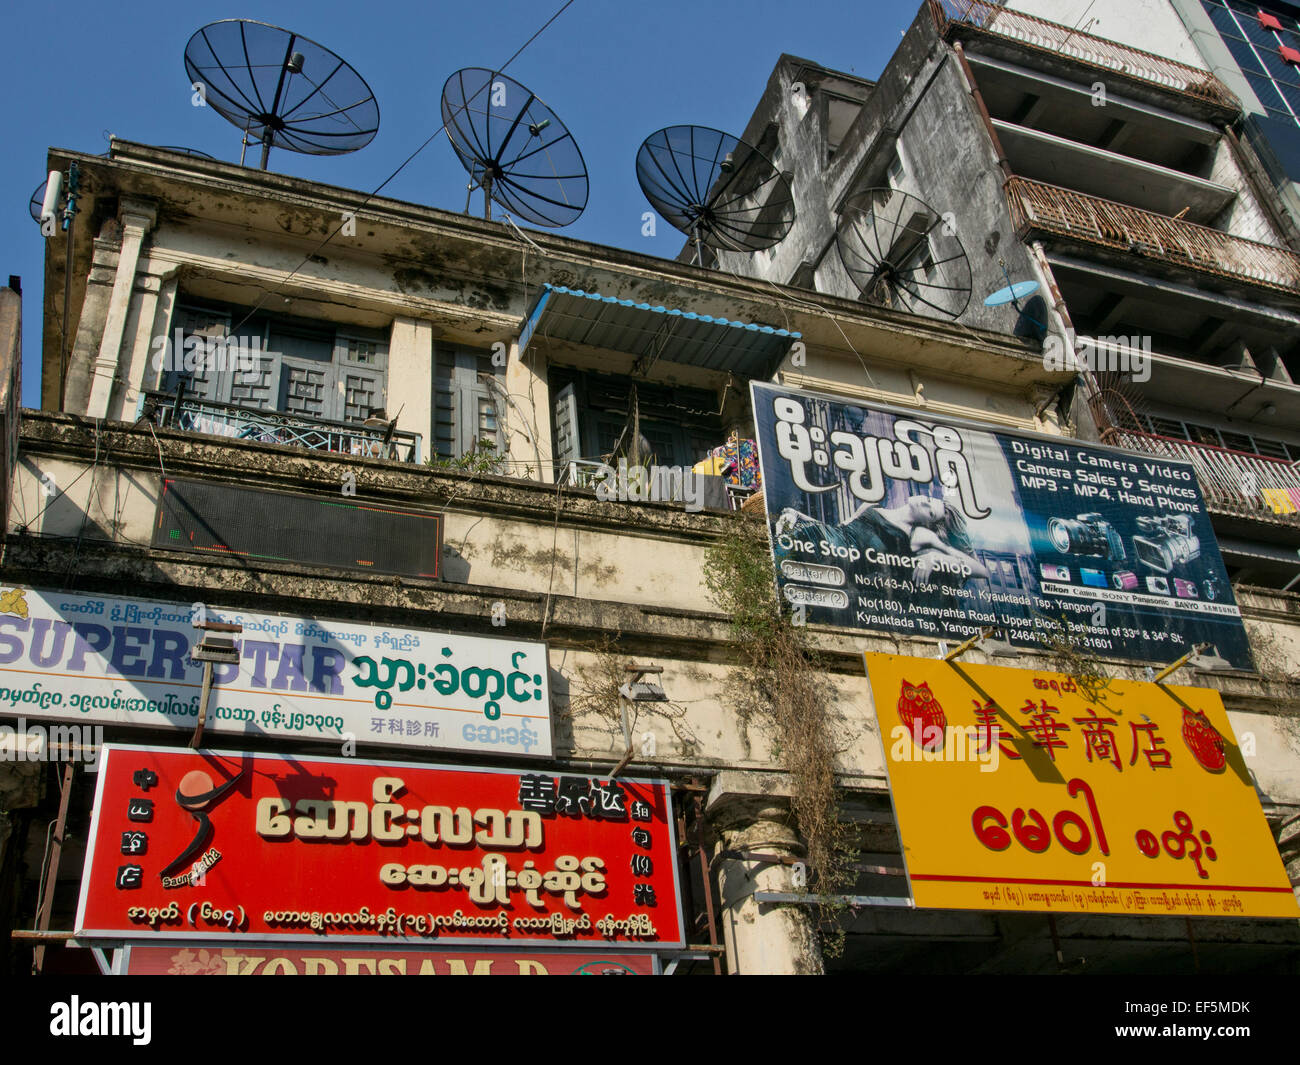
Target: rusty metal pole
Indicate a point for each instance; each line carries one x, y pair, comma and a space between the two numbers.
707, 877
205, 697
52, 873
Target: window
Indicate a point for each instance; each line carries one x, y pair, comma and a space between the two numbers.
467, 402
1264, 45
840, 113
897, 172
595, 414
1205, 434
310, 369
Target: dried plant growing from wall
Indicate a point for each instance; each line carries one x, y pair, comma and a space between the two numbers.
1066, 656
594, 702
1272, 660
781, 687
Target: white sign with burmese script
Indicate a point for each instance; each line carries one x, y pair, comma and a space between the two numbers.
114, 660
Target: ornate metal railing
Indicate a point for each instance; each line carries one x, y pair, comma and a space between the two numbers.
1232, 481
1051, 209
1095, 51
275, 427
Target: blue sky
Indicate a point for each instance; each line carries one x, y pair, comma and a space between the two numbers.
613, 72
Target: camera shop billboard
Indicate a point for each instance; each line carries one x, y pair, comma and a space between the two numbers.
124, 661
883, 519
224, 846
1021, 790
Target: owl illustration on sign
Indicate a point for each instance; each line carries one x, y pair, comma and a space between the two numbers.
922, 715
1204, 741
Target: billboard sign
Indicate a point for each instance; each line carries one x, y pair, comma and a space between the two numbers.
208, 845
1019, 790
196, 959
891, 520
125, 661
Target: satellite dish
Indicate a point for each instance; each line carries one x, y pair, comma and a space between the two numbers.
715, 188
515, 148
38, 201
281, 89
1012, 294
900, 251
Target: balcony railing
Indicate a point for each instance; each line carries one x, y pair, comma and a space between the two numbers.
1095, 51
274, 427
1231, 481
1051, 209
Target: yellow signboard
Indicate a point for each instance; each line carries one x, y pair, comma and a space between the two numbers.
1018, 790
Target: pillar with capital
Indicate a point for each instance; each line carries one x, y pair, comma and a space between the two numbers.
757, 846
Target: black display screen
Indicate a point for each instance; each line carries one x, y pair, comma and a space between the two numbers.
253, 524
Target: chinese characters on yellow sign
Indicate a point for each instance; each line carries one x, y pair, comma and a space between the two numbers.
1017, 790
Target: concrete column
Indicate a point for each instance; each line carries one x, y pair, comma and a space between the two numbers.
530, 404
760, 937
136, 219
410, 379
89, 329
150, 316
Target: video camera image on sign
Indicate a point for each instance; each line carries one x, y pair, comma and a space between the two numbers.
901, 252
715, 188
282, 89
515, 148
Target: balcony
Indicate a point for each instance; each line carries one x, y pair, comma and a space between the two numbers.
1092, 220
273, 427
992, 18
1233, 482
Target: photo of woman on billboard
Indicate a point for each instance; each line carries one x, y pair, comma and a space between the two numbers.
924, 527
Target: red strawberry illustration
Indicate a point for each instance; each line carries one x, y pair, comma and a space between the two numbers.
1203, 740
922, 715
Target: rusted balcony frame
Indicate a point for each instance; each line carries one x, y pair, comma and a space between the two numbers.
1232, 481
1036, 205
1056, 39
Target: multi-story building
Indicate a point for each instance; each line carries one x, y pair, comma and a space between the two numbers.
1252, 49
1112, 178
512, 368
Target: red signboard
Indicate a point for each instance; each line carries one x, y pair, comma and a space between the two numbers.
224, 846
195, 959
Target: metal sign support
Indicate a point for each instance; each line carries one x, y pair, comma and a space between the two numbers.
52, 871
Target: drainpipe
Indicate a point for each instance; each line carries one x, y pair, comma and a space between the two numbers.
1091, 388
982, 109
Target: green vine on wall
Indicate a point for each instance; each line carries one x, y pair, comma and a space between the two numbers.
781, 687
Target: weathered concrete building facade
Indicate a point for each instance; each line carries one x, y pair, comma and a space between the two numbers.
1113, 179
512, 363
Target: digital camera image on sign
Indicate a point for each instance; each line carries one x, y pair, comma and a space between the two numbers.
1086, 534
1166, 541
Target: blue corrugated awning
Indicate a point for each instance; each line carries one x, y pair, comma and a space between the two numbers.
652, 333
